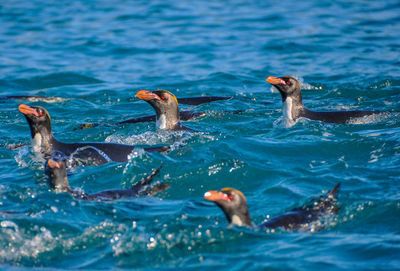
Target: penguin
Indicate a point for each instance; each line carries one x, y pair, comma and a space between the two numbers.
44, 142
293, 107
183, 115
59, 181
167, 110
234, 205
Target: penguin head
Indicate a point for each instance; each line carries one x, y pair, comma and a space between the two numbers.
287, 86
161, 100
233, 203
57, 174
38, 119
164, 103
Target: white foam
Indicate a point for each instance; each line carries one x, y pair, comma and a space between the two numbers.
305, 85
284, 122
175, 139
47, 99
368, 119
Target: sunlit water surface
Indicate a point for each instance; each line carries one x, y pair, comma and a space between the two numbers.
99, 54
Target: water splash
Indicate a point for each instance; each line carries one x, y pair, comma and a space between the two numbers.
283, 122
74, 160
374, 118
26, 158
149, 138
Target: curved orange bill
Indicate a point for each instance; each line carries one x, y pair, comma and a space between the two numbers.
53, 164
147, 95
275, 80
27, 110
215, 196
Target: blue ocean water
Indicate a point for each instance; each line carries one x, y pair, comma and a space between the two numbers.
98, 54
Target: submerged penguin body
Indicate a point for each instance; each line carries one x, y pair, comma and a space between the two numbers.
234, 205
59, 180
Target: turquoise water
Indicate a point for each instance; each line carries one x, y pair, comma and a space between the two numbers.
99, 54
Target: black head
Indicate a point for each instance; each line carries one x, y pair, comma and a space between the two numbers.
38, 119
57, 174
164, 103
287, 86
233, 203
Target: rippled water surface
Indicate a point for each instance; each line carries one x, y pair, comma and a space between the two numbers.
98, 54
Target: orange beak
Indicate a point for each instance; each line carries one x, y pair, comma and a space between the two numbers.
53, 164
147, 95
27, 110
275, 80
215, 196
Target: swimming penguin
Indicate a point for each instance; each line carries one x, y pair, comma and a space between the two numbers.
293, 107
59, 180
166, 106
183, 115
97, 153
234, 204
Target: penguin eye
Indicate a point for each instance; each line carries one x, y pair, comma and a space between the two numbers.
230, 197
162, 98
41, 113
288, 83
